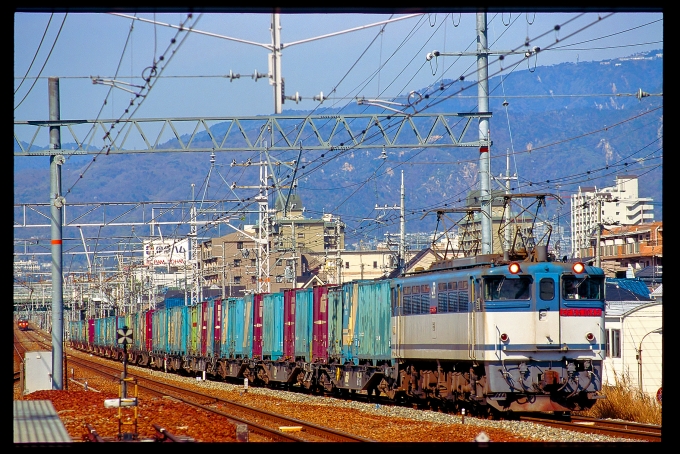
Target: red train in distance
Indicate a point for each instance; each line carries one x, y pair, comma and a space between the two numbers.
23, 324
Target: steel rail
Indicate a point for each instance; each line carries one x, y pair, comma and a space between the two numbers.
149, 385
603, 427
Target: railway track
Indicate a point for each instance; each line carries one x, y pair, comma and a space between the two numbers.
266, 428
612, 428
259, 422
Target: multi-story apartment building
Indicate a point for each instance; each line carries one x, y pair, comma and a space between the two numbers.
616, 205
637, 246
230, 262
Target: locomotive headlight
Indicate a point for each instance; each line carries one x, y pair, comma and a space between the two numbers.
514, 268
504, 337
578, 268
590, 337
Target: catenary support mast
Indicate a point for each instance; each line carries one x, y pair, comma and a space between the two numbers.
57, 202
483, 106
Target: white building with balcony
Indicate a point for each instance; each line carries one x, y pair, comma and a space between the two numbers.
618, 205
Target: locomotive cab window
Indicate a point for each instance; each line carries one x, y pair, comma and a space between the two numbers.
503, 288
547, 288
589, 287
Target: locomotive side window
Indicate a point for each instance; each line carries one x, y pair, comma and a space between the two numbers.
463, 297
442, 300
500, 288
547, 288
589, 287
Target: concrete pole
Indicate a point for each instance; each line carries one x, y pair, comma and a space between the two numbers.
483, 107
599, 232
276, 79
57, 202
224, 269
508, 236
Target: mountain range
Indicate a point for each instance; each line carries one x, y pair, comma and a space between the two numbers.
559, 127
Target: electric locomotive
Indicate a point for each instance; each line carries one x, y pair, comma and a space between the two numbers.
22, 323
500, 336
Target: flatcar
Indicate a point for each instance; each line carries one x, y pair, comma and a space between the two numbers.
483, 333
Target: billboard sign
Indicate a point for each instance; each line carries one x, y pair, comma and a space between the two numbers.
166, 252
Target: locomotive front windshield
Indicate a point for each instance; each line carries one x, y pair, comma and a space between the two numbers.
589, 287
502, 288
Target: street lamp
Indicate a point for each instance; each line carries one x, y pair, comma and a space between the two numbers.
639, 355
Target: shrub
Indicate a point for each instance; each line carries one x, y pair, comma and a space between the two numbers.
626, 402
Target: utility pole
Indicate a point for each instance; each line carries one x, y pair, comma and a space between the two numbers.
338, 259
57, 202
599, 231
263, 276
483, 103
224, 269
507, 239
402, 225
195, 280
482, 54
402, 229
275, 63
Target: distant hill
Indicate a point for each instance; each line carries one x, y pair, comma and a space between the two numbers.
560, 104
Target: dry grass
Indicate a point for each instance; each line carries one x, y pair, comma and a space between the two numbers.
625, 401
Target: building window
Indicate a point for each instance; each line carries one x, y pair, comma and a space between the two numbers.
614, 349
237, 280
301, 235
253, 280
346, 265
253, 262
239, 245
375, 265
237, 262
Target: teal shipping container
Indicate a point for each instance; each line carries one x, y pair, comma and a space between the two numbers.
159, 328
304, 323
178, 330
272, 326
372, 335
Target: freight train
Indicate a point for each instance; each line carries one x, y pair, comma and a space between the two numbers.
481, 333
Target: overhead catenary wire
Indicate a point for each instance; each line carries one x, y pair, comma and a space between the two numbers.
45, 63
534, 150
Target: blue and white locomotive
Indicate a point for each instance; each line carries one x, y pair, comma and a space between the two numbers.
500, 336
482, 333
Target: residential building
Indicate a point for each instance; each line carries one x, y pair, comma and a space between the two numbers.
616, 205
230, 262
634, 246
634, 345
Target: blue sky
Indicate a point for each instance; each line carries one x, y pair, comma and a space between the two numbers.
361, 63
